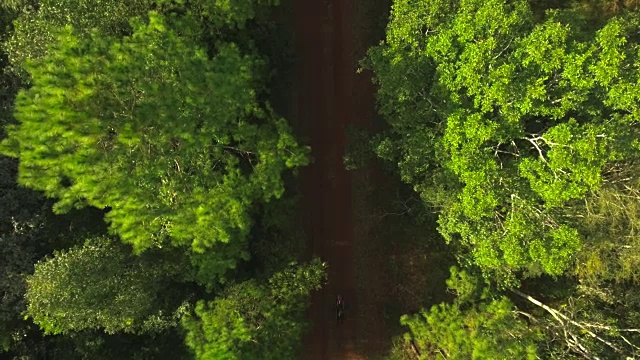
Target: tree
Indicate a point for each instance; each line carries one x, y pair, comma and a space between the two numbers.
39, 20
581, 328
605, 298
36, 27
28, 231
96, 345
610, 218
507, 124
483, 322
102, 285
522, 132
9, 82
471, 327
173, 142
229, 14
252, 320
21, 224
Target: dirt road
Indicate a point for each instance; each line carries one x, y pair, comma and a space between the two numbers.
326, 103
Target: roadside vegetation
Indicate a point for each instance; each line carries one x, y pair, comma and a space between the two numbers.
515, 124
145, 205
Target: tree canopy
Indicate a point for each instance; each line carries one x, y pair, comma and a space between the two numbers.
173, 142
155, 113
21, 225
252, 320
520, 130
36, 27
101, 285
472, 327
508, 123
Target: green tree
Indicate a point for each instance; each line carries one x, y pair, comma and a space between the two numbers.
605, 298
28, 231
230, 14
175, 143
471, 327
102, 285
9, 82
39, 20
255, 321
22, 225
36, 27
611, 220
507, 124
96, 345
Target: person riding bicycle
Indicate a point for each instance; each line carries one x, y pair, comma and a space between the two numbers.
340, 308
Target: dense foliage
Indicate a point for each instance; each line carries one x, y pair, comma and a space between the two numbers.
255, 321
519, 127
139, 128
21, 226
144, 208
102, 285
511, 125
147, 121
472, 327
34, 31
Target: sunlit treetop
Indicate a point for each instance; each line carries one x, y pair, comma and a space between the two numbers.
172, 141
506, 121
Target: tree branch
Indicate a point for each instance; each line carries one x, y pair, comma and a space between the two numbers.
561, 318
535, 144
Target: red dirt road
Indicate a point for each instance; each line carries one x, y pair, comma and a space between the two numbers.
325, 104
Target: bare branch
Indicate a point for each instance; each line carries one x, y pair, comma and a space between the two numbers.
561, 318
503, 50
535, 144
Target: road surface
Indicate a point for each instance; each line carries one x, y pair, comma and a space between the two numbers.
326, 101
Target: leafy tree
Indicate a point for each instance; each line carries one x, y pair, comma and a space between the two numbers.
173, 142
485, 323
611, 221
102, 285
9, 82
21, 226
471, 328
18, 5
487, 331
28, 231
252, 320
18, 255
507, 123
603, 9
36, 28
39, 21
223, 14
158, 123
605, 298
96, 345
